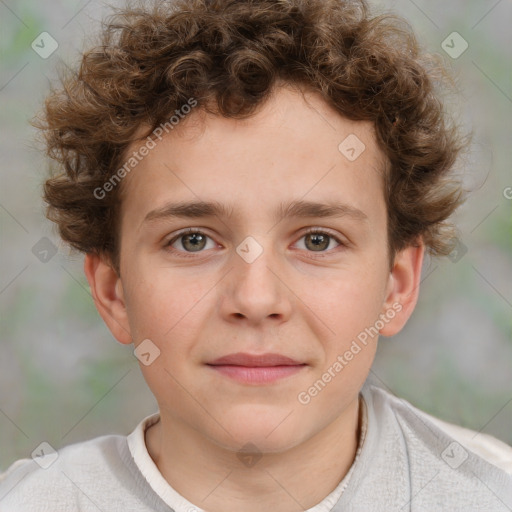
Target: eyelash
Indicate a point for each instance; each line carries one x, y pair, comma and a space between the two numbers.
191, 231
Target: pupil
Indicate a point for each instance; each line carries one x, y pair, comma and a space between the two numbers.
319, 240
195, 239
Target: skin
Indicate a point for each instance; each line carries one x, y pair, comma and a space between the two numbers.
294, 300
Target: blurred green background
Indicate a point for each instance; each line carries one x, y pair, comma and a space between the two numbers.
63, 378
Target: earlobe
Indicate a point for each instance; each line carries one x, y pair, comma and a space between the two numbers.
107, 292
403, 288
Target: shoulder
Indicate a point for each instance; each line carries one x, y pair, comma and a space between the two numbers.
428, 462
489, 448
485, 446
61, 480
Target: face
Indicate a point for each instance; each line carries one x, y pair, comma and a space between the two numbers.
251, 278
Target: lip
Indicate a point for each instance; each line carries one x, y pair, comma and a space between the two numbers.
255, 360
256, 369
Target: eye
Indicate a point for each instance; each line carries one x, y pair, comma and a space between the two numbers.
191, 240
318, 240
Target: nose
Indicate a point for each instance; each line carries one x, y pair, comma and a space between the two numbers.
255, 289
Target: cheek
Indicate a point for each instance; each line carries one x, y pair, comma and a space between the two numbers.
168, 311
161, 306
352, 309
355, 300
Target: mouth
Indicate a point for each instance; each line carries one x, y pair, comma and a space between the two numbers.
256, 369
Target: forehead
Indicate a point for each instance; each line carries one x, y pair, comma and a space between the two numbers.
296, 147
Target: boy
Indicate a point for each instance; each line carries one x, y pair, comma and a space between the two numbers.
298, 148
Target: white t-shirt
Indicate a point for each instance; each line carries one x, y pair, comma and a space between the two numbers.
406, 460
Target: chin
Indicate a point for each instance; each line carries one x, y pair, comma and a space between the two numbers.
269, 431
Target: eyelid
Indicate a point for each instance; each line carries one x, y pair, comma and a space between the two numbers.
324, 231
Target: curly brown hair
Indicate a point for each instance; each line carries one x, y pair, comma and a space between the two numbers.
229, 54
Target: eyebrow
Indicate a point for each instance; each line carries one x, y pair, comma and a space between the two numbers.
297, 209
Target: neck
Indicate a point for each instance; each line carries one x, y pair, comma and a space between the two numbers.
218, 480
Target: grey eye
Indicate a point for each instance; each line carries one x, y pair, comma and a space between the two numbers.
194, 241
318, 241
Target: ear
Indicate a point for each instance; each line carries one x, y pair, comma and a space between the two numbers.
107, 292
403, 288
